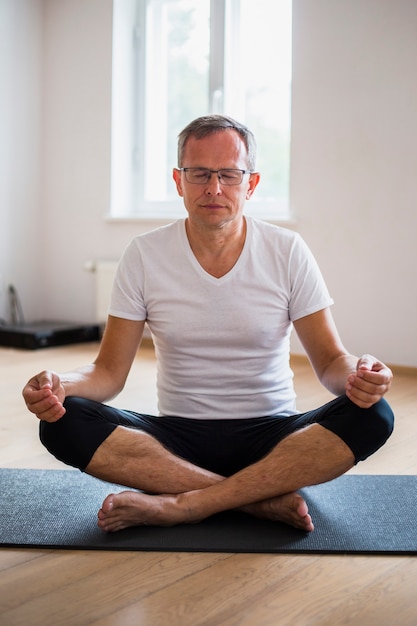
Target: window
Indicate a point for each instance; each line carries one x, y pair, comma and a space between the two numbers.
174, 60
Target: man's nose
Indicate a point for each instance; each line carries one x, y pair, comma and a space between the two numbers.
213, 184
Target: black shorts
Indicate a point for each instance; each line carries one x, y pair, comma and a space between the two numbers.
223, 446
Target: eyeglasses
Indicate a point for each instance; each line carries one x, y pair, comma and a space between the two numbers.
201, 175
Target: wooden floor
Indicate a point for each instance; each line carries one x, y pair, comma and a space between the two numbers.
71, 587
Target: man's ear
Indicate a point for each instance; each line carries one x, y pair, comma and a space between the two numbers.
252, 184
176, 175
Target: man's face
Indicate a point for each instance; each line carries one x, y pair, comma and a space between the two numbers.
212, 204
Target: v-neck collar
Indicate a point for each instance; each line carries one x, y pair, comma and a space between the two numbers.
195, 263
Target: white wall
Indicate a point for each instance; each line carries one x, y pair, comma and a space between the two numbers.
354, 182
20, 151
354, 154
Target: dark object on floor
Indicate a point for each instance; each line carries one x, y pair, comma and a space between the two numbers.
47, 334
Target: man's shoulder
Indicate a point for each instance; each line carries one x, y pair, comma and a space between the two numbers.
273, 232
156, 239
161, 232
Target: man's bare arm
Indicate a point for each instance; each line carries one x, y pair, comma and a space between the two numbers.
101, 380
365, 380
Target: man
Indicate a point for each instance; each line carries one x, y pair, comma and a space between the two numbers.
221, 293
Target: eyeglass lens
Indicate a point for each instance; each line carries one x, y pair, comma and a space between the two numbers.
225, 176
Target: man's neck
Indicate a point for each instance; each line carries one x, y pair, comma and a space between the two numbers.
217, 249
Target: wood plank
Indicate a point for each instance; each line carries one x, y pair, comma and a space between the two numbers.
96, 580
77, 588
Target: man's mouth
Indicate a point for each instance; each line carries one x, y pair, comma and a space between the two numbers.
213, 206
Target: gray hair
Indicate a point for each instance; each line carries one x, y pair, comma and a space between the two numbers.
210, 124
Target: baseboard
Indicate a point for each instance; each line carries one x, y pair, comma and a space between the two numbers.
403, 370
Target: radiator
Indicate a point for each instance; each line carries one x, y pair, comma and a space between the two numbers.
104, 271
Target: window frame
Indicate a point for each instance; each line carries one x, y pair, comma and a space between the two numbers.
130, 32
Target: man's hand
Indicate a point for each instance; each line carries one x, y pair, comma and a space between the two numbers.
370, 383
44, 396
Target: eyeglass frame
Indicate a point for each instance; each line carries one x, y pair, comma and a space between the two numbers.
207, 169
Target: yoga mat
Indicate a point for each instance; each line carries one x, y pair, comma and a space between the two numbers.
352, 514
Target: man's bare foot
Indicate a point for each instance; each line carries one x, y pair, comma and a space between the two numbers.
289, 508
132, 508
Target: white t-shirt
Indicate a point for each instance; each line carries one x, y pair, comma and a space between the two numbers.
222, 344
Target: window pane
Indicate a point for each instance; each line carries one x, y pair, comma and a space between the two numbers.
259, 91
177, 75
166, 63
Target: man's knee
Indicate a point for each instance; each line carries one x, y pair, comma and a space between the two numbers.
379, 424
372, 428
363, 430
74, 438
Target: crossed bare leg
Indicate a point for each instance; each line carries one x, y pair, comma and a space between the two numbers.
266, 489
